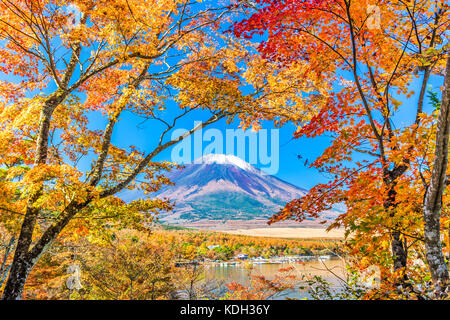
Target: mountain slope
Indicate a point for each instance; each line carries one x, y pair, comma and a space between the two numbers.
223, 187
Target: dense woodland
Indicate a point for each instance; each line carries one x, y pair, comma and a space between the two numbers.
144, 265
372, 76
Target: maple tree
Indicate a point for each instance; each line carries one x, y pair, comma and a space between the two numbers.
261, 288
6, 246
435, 189
44, 135
131, 265
68, 64
146, 264
371, 54
330, 67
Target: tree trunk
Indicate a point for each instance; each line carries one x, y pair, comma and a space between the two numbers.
18, 275
398, 245
399, 251
21, 264
4, 269
26, 256
433, 196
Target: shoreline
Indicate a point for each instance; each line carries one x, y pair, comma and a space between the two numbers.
290, 233
259, 260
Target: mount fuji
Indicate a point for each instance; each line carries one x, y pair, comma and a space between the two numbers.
218, 188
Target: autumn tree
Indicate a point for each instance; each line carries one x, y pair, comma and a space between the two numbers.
435, 188
261, 288
6, 246
106, 57
68, 63
133, 267
374, 55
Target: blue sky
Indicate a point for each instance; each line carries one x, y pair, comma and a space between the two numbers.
131, 130
291, 168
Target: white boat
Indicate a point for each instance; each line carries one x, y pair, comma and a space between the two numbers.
323, 258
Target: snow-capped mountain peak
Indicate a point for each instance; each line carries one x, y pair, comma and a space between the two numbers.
222, 187
226, 159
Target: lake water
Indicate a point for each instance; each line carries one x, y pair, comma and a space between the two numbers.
330, 270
